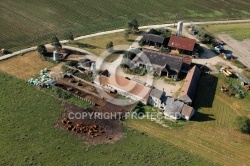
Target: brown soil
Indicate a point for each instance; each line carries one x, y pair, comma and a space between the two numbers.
109, 129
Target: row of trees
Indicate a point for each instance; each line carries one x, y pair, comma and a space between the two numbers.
55, 42
132, 27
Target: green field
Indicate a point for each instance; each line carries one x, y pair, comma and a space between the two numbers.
28, 23
29, 136
237, 31
210, 133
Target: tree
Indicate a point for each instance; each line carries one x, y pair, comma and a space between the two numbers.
133, 25
109, 45
129, 55
42, 49
55, 42
242, 124
69, 36
126, 34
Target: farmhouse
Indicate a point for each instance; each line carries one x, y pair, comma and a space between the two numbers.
124, 87
190, 84
159, 63
176, 109
183, 45
151, 39
155, 98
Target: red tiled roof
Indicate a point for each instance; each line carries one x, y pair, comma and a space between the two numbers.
126, 85
189, 87
181, 43
187, 111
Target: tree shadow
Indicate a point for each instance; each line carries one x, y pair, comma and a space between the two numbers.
205, 92
131, 40
49, 54
84, 45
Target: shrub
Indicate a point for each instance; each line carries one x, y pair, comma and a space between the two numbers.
60, 93
109, 45
242, 124
129, 55
84, 76
124, 65
163, 49
71, 63
42, 49
139, 110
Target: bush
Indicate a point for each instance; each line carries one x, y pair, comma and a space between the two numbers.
139, 110
109, 45
67, 69
86, 77
42, 49
163, 49
242, 124
124, 65
71, 63
129, 55
60, 93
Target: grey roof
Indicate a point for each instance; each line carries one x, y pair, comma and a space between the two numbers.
153, 38
156, 93
159, 59
173, 106
164, 99
85, 62
185, 98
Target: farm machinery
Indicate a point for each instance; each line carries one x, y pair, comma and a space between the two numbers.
226, 71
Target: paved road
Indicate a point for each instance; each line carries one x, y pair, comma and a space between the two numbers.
120, 30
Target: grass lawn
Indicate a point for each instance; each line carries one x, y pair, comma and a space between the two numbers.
29, 136
210, 133
247, 74
237, 31
97, 45
112, 57
27, 24
25, 66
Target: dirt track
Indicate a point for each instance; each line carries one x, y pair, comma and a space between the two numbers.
240, 49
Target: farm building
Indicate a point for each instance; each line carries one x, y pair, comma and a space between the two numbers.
173, 108
183, 45
176, 109
85, 63
160, 63
124, 87
155, 98
190, 84
151, 39
187, 112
